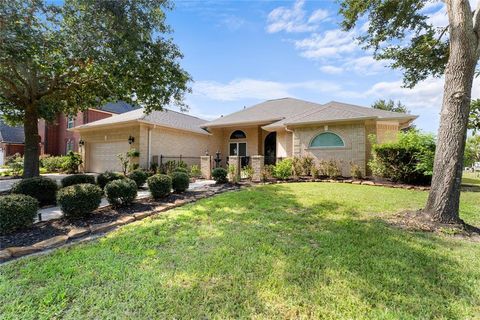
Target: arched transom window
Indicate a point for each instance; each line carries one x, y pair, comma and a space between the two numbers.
238, 134
326, 140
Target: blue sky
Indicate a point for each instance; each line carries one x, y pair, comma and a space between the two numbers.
243, 52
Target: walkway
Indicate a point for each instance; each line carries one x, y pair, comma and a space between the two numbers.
55, 212
6, 184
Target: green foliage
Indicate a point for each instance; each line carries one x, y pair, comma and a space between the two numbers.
126, 160
160, 185
52, 163
408, 160
71, 162
267, 172
77, 179
41, 188
283, 169
474, 117
195, 171
180, 181
355, 171
15, 163
121, 192
107, 176
232, 173
247, 172
329, 168
139, 176
390, 105
220, 175
16, 211
472, 151
79, 200
306, 163
181, 169
172, 165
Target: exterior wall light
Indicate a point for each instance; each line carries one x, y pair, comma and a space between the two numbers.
81, 143
131, 140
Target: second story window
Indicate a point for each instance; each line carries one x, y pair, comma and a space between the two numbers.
70, 122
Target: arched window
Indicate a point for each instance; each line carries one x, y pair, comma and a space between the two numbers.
238, 134
327, 139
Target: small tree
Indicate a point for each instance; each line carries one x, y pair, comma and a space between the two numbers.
390, 105
472, 151
474, 118
126, 160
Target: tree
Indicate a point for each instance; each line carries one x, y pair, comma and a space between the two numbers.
474, 117
82, 53
472, 151
401, 32
390, 106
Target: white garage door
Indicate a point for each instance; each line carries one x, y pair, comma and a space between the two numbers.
103, 155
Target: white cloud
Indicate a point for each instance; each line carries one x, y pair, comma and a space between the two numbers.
330, 44
294, 19
331, 69
365, 65
257, 89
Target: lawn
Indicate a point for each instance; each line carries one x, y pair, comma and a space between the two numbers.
309, 250
470, 178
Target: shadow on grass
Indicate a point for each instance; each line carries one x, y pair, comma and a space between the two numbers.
264, 252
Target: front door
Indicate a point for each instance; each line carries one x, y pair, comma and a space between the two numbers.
270, 148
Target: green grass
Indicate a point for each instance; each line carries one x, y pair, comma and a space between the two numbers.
470, 178
280, 251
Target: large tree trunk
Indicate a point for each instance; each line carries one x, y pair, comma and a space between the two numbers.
32, 142
444, 198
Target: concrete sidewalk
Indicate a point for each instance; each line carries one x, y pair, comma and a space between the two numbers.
55, 212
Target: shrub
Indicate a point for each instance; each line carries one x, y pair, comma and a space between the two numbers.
181, 169
314, 171
333, 169
139, 176
232, 173
355, 171
160, 185
126, 160
121, 192
52, 164
409, 160
195, 171
41, 188
71, 162
297, 166
16, 211
170, 166
77, 179
247, 172
79, 200
107, 176
267, 172
15, 163
220, 175
180, 181
283, 169
306, 165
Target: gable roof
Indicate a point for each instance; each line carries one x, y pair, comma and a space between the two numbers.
9, 134
118, 107
279, 113
166, 118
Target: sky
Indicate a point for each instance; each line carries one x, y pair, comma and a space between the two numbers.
240, 53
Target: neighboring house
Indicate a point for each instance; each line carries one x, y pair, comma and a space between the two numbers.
275, 129
12, 140
160, 133
57, 139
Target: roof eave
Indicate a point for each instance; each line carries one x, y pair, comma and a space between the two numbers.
243, 123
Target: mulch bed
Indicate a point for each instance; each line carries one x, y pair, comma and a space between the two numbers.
48, 229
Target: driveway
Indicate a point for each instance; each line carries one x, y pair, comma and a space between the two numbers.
7, 184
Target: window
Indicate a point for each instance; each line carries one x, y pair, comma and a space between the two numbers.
327, 139
238, 134
238, 149
70, 122
69, 146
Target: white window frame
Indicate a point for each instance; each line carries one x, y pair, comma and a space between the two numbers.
70, 122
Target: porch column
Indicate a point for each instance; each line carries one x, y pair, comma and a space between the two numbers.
206, 166
235, 162
257, 165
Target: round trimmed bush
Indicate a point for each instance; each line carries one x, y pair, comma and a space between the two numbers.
107, 176
160, 185
180, 181
220, 175
16, 211
41, 188
79, 200
139, 176
181, 169
77, 179
121, 192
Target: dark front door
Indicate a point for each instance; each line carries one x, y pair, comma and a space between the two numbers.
270, 148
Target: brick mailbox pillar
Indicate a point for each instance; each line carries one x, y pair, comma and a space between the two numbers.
257, 166
206, 166
235, 162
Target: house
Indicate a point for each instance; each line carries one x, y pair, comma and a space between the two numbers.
12, 140
275, 129
57, 139
166, 134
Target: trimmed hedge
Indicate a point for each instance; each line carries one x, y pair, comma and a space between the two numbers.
108, 176
121, 192
220, 175
181, 169
284, 169
180, 181
41, 188
77, 179
139, 176
160, 185
16, 211
79, 200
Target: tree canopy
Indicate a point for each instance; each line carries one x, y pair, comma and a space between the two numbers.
474, 117
390, 105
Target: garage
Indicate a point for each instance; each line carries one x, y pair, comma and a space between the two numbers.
103, 155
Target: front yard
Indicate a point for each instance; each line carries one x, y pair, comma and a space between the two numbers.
308, 250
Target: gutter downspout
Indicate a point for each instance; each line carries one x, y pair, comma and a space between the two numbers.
149, 148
